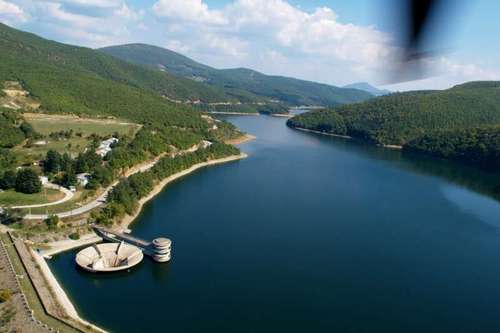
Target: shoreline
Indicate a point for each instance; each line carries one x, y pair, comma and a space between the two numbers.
393, 147
282, 115
323, 133
241, 139
127, 220
61, 246
235, 113
60, 294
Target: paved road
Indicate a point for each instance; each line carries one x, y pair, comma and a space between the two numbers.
67, 196
101, 200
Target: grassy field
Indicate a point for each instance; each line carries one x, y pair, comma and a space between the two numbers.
80, 198
46, 124
12, 198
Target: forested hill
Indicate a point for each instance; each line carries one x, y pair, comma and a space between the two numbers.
21, 52
240, 83
460, 123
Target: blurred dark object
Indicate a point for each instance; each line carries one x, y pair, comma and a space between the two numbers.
422, 33
418, 26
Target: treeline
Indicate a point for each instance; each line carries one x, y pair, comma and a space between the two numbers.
149, 142
478, 146
124, 197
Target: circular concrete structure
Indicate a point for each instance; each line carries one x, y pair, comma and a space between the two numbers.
161, 248
109, 257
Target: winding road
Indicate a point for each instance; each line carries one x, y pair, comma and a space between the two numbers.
68, 195
101, 199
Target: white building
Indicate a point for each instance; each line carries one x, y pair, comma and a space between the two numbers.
44, 180
205, 144
105, 147
83, 179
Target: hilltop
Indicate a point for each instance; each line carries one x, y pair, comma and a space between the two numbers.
241, 83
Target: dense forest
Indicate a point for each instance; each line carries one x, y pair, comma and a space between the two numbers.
243, 84
479, 146
459, 123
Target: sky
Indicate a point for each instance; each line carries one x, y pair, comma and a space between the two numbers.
331, 41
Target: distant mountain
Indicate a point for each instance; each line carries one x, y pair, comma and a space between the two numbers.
240, 83
368, 88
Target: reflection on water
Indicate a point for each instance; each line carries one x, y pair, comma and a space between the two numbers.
475, 179
486, 209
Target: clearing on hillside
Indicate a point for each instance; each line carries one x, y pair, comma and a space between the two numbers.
75, 142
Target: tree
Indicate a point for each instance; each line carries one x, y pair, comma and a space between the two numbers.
66, 162
27, 181
8, 180
28, 130
53, 161
10, 216
69, 179
52, 221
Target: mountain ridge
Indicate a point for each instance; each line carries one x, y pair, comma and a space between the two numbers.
240, 83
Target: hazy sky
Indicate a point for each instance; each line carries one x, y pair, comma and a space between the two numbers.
331, 41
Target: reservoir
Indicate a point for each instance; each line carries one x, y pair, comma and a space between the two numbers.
309, 234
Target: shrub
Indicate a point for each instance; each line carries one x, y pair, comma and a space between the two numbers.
52, 221
5, 295
74, 236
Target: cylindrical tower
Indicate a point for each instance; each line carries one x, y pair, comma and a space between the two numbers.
162, 248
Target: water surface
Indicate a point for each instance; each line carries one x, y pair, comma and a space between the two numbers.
309, 234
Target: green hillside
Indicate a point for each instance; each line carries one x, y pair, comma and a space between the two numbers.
19, 48
80, 81
243, 84
456, 123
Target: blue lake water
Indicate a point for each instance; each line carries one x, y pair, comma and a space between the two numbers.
309, 234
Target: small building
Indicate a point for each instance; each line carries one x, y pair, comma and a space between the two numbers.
44, 180
105, 147
83, 179
205, 144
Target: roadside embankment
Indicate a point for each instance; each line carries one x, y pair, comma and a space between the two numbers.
69, 244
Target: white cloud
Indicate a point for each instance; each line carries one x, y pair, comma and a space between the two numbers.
445, 72
188, 10
242, 32
92, 3
91, 23
10, 12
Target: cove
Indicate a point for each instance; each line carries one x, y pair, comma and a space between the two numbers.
309, 234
